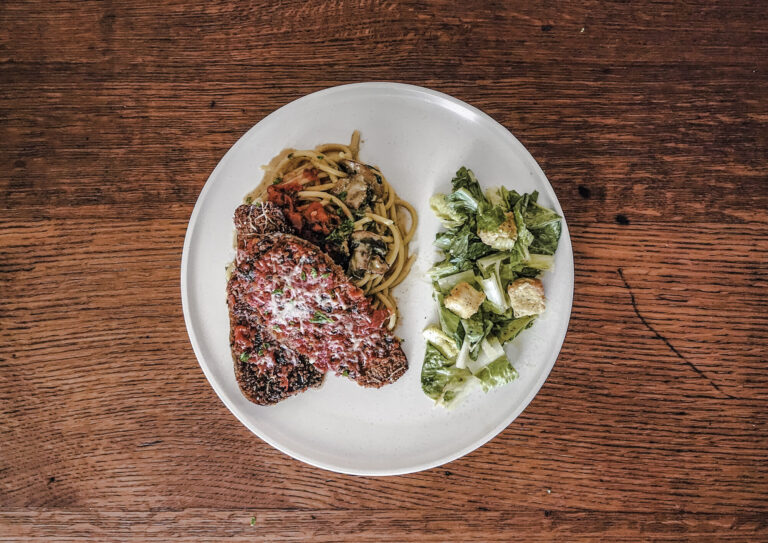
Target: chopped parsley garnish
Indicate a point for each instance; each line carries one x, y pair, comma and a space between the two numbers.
248, 200
276, 328
345, 373
343, 195
278, 291
253, 521
313, 272
321, 157
261, 350
326, 275
320, 318
303, 276
244, 357
341, 232
277, 180
290, 155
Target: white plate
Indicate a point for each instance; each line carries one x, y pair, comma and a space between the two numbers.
419, 138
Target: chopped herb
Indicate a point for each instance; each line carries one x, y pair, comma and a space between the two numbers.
248, 200
277, 180
278, 291
290, 155
261, 350
303, 276
321, 157
326, 275
244, 357
313, 272
342, 232
343, 195
276, 328
320, 318
253, 521
345, 373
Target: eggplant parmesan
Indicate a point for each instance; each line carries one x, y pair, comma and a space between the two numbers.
266, 371
295, 315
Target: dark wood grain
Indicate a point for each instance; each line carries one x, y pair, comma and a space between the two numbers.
651, 121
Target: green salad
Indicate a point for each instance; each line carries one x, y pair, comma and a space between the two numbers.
495, 246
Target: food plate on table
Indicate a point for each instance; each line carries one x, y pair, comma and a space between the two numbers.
419, 139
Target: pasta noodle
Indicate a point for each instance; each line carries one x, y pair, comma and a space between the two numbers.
321, 171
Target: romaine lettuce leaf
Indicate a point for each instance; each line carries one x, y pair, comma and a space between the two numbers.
473, 329
489, 218
490, 263
449, 215
511, 196
494, 294
539, 261
503, 198
497, 373
442, 341
524, 236
508, 273
457, 389
449, 321
496, 197
440, 379
466, 246
546, 238
446, 267
463, 201
465, 181
443, 240
508, 330
537, 216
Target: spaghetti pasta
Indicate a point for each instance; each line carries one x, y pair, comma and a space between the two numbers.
328, 194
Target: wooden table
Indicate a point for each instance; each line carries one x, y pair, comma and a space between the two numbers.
651, 121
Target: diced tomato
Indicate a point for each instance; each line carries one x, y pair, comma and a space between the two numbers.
282, 194
317, 218
311, 216
297, 221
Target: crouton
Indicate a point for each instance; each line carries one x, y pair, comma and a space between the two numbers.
504, 237
526, 296
464, 300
